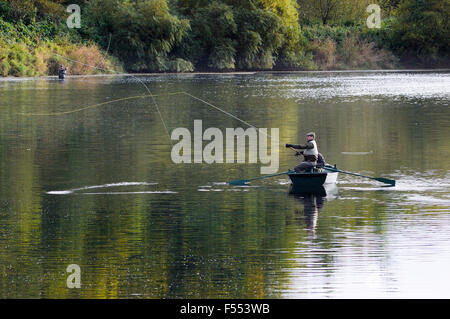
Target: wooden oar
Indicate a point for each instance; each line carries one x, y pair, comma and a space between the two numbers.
380, 179
242, 182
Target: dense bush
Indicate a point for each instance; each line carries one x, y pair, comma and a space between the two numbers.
143, 32
422, 30
227, 35
351, 52
32, 50
188, 35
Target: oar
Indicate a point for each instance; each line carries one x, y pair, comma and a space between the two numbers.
242, 182
380, 179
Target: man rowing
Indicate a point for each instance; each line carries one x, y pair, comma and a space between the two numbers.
310, 153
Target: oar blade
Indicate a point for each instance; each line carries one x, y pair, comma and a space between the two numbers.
240, 182
386, 181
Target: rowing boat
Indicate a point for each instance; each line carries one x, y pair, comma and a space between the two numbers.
317, 177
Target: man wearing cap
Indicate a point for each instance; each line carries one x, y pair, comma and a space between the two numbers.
310, 153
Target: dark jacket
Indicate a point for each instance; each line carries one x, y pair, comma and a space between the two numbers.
307, 146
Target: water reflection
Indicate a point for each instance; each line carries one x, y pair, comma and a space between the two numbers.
313, 200
98, 188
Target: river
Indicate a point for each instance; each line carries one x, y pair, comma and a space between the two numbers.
92, 183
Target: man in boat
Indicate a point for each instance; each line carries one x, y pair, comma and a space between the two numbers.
320, 161
310, 153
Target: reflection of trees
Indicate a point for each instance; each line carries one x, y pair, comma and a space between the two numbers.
175, 245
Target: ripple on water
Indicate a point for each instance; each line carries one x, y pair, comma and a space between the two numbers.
109, 185
392, 85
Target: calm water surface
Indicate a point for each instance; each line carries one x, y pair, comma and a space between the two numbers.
98, 188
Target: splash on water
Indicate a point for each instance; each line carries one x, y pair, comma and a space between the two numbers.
78, 190
425, 188
131, 193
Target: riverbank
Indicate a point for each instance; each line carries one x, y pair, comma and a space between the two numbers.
190, 74
43, 58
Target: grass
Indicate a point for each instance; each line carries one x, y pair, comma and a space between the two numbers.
32, 50
19, 59
340, 48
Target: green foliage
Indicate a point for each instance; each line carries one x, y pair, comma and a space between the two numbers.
324, 32
179, 65
29, 50
342, 47
143, 32
31, 34
387, 6
223, 35
31, 10
246, 35
422, 28
214, 29
261, 34
16, 60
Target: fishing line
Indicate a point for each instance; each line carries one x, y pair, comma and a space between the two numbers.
219, 109
91, 66
107, 49
146, 87
141, 96
134, 97
84, 108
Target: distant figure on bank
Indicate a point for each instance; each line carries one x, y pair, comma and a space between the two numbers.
62, 72
310, 153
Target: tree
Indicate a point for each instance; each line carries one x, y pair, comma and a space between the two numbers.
143, 32
422, 28
30, 10
242, 34
323, 10
388, 5
214, 27
334, 11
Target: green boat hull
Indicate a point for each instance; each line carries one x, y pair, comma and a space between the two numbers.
308, 179
312, 180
